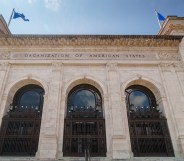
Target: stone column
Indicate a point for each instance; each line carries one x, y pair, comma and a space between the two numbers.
48, 142
4, 71
119, 143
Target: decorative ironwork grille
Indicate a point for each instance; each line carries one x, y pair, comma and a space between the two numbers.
84, 127
19, 133
149, 133
84, 133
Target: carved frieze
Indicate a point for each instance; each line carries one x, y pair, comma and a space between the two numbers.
4, 55
169, 56
80, 56
106, 40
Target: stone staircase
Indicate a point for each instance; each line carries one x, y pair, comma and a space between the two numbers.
92, 159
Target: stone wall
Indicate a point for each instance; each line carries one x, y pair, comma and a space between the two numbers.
158, 68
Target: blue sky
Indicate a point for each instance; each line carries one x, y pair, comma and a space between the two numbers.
117, 17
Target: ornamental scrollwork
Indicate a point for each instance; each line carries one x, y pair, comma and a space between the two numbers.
169, 56
4, 55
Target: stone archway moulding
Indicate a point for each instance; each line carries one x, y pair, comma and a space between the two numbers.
84, 79
17, 84
11, 89
155, 87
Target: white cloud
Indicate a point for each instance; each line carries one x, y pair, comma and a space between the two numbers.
52, 4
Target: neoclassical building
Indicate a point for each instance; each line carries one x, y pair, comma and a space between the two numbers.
93, 97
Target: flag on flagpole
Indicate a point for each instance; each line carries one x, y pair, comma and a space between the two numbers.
159, 17
17, 15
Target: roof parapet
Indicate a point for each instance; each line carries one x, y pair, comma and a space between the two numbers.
173, 25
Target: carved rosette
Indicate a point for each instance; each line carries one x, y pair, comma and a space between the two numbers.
112, 66
169, 56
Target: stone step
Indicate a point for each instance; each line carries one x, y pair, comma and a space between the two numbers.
92, 159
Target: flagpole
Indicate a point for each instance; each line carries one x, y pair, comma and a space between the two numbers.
158, 18
11, 17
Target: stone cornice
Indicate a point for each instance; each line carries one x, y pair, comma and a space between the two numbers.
47, 41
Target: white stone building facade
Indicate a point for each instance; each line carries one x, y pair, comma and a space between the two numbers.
111, 64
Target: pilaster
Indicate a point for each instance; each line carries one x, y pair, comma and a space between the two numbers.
61, 127
107, 115
171, 127
173, 107
120, 147
48, 143
4, 71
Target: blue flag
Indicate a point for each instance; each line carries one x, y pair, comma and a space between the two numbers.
160, 17
21, 15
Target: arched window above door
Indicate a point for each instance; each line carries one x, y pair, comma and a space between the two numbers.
84, 98
140, 97
29, 97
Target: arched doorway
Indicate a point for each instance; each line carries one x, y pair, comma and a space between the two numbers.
20, 127
84, 126
149, 133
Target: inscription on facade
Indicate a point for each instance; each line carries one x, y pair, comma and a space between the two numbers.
78, 56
